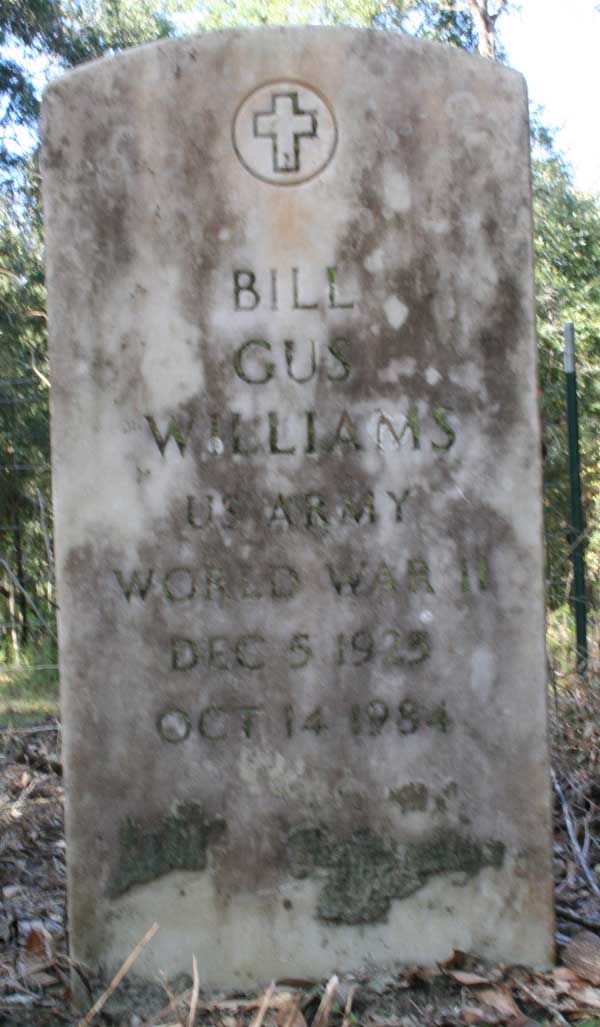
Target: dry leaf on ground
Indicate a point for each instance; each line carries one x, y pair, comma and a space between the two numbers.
323, 1012
582, 954
565, 978
467, 978
471, 1015
587, 998
501, 1000
289, 1016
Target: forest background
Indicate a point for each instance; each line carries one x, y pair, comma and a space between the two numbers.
40, 39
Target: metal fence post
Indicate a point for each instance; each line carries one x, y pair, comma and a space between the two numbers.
577, 529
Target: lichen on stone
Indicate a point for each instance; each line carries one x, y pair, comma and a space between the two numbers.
178, 843
411, 797
363, 873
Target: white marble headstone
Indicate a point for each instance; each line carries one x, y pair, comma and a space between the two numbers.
298, 518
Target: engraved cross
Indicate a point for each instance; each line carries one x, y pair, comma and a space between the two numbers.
285, 124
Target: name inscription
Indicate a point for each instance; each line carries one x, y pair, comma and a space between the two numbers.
276, 434
417, 429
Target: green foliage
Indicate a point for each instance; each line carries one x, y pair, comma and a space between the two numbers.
567, 247
216, 14
448, 23
49, 36
25, 520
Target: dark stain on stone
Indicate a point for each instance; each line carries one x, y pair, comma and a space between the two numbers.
450, 792
178, 843
411, 797
366, 871
494, 342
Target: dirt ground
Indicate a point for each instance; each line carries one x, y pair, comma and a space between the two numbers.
35, 970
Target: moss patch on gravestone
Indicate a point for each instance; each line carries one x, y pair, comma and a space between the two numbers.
411, 797
365, 872
178, 843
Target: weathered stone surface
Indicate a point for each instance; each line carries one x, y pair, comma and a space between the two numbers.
296, 459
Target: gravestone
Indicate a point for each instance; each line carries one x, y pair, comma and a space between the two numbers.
297, 483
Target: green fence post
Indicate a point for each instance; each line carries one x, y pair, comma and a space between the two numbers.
576, 534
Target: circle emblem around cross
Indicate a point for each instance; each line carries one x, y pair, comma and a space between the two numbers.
284, 133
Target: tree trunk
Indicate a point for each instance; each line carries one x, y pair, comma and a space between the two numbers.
12, 617
485, 23
20, 567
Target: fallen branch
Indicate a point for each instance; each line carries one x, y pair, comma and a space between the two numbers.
348, 1009
233, 1005
266, 1002
544, 1004
114, 984
174, 1003
322, 1014
577, 850
29, 730
23, 796
293, 1016
195, 993
577, 918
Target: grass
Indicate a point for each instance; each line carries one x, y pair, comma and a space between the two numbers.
560, 639
29, 691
